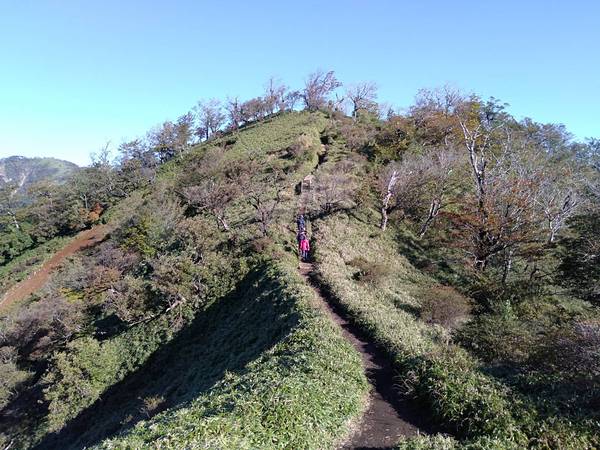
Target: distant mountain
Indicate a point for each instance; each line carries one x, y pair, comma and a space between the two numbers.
24, 171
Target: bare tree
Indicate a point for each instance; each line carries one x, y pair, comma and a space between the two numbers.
274, 97
211, 184
317, 88
435, 113
210, 117
478, 124
335, 188
254, 109
265, 204
171, 139
290, 99
212, 196
234, 112
439, 166
558, 200
363, 97
387, 188
137, 163
503, 222
400, 186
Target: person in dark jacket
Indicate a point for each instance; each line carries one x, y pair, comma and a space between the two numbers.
301, 223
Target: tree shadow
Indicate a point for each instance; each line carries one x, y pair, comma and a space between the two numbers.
227, 336
575, 400
431, 258
410, 309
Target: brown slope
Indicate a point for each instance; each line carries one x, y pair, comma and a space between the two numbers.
25, 288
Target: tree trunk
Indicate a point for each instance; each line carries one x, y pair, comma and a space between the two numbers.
434, 209
15, 221
85, 202
507, 266
386, 200
551, 232
384, 218
480, 264
221, 220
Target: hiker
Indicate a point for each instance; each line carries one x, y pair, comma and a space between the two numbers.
300, 236
304, 248
301, 223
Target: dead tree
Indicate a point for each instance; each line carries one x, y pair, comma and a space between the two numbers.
211, 196
439, 166
210, 117
266, 208
317, 88
387, 183
362, 97
400, 186
558, 200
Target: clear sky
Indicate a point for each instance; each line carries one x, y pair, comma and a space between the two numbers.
75, 74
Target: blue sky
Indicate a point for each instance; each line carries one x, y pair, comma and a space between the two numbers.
75, 74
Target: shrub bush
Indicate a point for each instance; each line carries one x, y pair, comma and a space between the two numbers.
11, 377
443, 305
41, 326
424, 442
152, 405
78, 377
575, 350
368, 272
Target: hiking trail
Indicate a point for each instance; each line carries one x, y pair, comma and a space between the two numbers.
23, 289
387, 416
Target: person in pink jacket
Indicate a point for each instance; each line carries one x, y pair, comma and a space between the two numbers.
304, 248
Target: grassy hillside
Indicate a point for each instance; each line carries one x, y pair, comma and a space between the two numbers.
264, 370
189, 327
246, 361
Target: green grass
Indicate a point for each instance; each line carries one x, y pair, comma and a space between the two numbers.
276, 133
461, 396
283, 376
257, 367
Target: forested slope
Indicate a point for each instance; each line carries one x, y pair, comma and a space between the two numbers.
459, 240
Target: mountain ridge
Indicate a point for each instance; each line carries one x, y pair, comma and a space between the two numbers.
25, 171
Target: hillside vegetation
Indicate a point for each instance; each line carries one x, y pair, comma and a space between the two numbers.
461, 241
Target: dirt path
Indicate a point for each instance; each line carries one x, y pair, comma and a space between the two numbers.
35, 281
388, 417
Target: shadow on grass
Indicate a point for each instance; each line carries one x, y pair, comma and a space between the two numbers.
410, 309
432, 258
572, 399
227, 336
